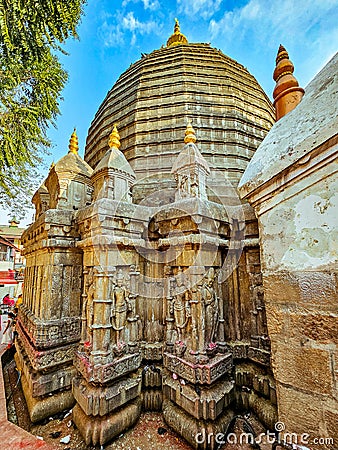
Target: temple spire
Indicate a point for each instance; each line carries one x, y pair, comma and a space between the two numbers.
114, 138
177, 37
287, 93
73, 143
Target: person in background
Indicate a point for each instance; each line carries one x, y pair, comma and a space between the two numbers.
15, 333
19, 301
8, 301
7, 337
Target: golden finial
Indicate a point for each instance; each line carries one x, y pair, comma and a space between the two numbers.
73, 143
52, 165
177, 37
189, 134
114, 138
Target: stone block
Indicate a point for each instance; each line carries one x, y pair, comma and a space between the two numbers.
264, 410
153, 352
152, 376
239, 349
99, 401
207, 404
300, 412
308, 289
308, 369
50, 333
152, 399
331, 423
199, 373
100, 430
320, 326
276, 316
200, 434
259, 355
46, 359
41, 407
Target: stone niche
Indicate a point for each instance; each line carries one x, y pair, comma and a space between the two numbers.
156, 307
292, 184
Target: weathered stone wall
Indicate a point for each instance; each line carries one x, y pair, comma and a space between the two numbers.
292, 183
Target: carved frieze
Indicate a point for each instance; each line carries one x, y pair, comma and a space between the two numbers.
47, 359
109, 372
198, 373
50, 333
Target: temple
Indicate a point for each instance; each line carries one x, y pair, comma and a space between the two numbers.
153, 283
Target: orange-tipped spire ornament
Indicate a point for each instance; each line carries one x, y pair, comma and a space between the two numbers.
287, 93
189, 134
114, 138
73, 143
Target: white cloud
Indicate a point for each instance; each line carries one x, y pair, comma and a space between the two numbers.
115, 35
152, 5
129, 22
302, 26
265, 19
203, 8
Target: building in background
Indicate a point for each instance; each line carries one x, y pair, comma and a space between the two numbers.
11, 260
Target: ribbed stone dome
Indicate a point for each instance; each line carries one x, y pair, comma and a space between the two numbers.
155, 98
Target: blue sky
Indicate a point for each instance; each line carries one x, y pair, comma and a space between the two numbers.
114, 33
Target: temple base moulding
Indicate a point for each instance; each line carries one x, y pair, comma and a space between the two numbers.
200, 434
99, 430
40, 408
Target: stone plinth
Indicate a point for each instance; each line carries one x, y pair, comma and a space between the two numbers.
99, 430
99, 401
208, 404
200, 434
40, 383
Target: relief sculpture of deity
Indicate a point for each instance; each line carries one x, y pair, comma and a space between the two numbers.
180, 308
210, 301
87, 308
120, 307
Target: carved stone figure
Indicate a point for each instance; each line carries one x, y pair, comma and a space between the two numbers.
120, 307
211, 306
87, 308
180, 308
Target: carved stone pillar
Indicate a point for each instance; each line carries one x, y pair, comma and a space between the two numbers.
49, 322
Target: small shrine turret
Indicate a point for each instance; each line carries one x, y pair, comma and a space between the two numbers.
113, 177
68, 182
190, 169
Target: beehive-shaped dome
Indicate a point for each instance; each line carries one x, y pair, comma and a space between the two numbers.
156, 97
